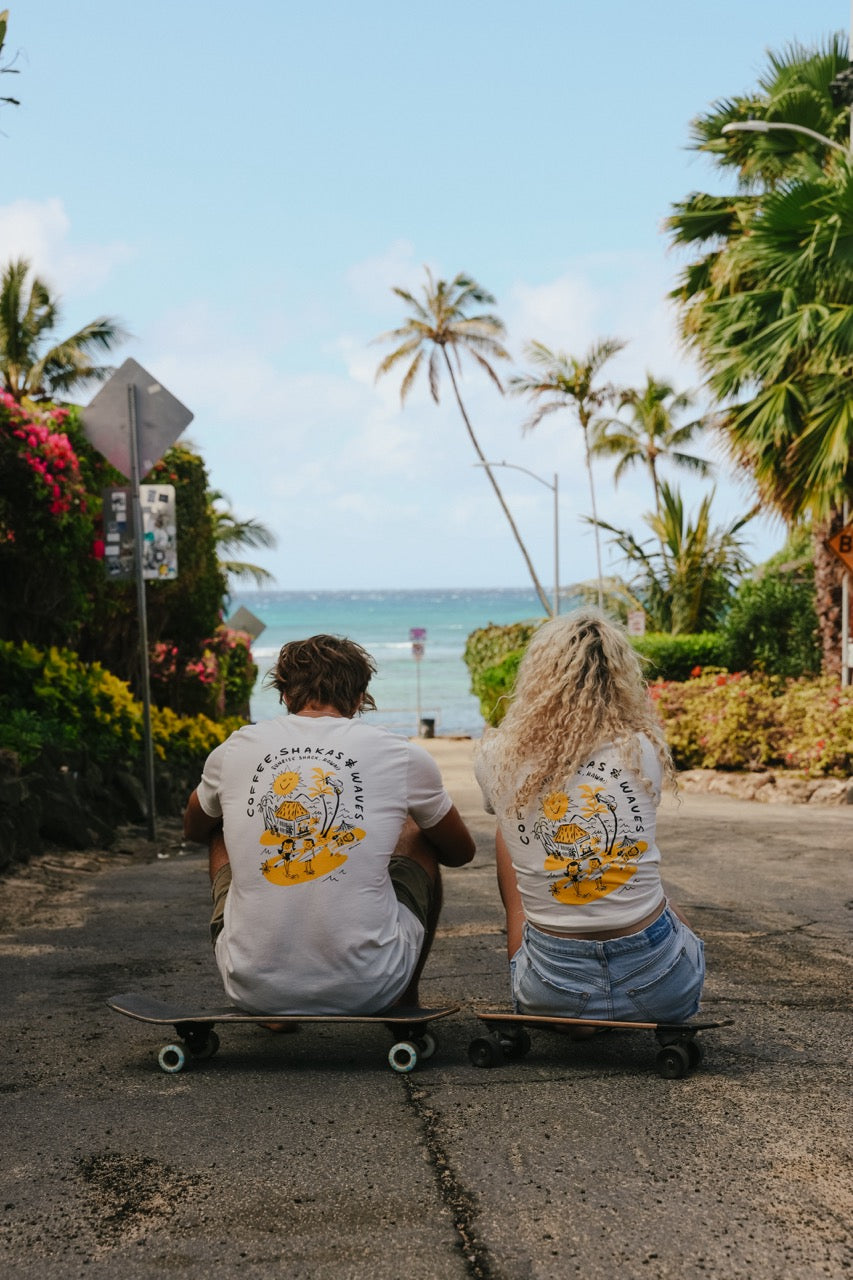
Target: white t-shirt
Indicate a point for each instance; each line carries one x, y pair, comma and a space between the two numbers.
312, 808
584, 852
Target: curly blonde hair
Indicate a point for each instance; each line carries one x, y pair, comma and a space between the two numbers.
579, 686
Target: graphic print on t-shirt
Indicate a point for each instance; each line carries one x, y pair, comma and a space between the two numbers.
591, 836
311, 801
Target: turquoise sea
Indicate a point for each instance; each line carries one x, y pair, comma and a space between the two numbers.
406, 691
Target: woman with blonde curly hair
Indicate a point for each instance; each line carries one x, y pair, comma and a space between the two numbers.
574, 776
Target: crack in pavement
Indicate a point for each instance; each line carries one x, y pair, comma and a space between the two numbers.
452, 1193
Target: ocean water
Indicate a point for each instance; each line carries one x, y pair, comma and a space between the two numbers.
406, 691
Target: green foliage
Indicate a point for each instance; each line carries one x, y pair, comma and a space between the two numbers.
714, 719
766, 302
753, 722
46, 527
772, 626
492, 655
218, 682
686, 575
29, 315
494, 687
56, 701
818, 716
676, 657
51, 701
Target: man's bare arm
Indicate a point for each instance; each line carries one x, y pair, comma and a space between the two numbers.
451, 840
198, 825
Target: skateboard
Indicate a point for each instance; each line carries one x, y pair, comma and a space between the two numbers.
414, 1041
508, 1037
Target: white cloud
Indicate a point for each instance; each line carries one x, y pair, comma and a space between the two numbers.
371, 281
40, 230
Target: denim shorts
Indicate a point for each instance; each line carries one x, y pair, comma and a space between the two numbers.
652, 976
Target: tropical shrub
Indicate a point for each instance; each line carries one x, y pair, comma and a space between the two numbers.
713, 718
818, 716
772, 624
52, 702
721, 720
216, 683
46, 527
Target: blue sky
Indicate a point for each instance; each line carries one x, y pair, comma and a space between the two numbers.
242, 186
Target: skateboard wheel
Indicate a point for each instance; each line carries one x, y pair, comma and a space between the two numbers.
426, 1045
172, 1058
403, 1056
516, 1045
694, 1052
208, 1048
485, 1051
673, 1062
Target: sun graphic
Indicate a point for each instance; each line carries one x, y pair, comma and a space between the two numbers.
555, 805
285, 782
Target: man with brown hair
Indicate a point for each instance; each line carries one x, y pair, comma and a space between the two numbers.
325, 836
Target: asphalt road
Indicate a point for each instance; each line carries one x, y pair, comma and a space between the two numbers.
306, 1156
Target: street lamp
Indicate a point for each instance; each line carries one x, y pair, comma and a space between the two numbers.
845, 87
768, 126
513, 466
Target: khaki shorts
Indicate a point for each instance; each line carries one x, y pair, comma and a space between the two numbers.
412, 886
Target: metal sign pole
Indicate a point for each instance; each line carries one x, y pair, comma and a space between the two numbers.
136, 511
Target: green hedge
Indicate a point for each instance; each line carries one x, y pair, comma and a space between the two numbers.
669, 657
493, 653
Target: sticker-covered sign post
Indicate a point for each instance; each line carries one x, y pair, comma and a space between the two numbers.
417, 635
159, 533
132, 421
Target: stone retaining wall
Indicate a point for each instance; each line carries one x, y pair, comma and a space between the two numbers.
772, 787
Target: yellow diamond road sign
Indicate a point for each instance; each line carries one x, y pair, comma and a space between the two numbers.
842, 545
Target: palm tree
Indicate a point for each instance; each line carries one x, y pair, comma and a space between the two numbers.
6, 70
564, 382
650, 433
28, 315
230, 534
439, 325
767, 305
686, 575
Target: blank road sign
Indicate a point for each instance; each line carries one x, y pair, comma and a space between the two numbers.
160, 419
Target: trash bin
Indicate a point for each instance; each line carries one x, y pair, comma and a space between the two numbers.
427, 728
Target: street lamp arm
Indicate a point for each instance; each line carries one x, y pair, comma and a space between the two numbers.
767, 126
515, 467
555, 489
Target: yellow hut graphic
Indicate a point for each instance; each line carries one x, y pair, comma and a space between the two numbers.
294, 819
575, 840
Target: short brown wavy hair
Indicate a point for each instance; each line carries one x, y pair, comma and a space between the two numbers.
329, 670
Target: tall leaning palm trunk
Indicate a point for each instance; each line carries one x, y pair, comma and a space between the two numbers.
564, 382
439, 322
549, 608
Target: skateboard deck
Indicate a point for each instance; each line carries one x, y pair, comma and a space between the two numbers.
414, 1042
508, 1037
